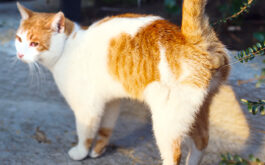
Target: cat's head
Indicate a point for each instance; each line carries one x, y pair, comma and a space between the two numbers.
40, 36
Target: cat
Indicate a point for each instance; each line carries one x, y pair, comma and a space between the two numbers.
175, 71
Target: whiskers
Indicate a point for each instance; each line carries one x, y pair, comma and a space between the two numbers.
37, 75
13, 62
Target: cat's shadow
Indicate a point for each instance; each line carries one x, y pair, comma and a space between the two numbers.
132, 139
129, 133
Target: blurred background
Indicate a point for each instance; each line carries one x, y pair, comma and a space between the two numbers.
237, 34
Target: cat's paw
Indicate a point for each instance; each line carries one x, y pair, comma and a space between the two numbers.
78, 153
96, 154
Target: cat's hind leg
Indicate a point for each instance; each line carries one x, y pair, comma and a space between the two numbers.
173, 111
195, 154
199, 133
109, 119
88, 116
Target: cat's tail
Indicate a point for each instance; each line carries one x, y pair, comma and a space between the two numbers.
233, 129
194, 21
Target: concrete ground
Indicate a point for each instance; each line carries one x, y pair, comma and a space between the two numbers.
37, 127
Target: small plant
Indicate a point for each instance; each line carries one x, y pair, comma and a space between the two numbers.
250, 53
228, 159
246, 4
255, 107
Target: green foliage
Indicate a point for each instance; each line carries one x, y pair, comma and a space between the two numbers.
255, 107
228, 159
251, 52
233, 10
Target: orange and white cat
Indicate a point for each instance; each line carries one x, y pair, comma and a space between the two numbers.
175, 71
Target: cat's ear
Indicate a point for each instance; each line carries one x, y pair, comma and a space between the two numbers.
58, 22
24, 12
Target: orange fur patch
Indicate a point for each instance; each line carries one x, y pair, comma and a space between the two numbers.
84, 27
130, 15
134, 61
100, 146
193, 20
69, 27
104, 135
18, 38
104, 132
38, 27
177, 151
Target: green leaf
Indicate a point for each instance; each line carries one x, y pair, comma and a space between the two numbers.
244, 101
259, 45
251, 52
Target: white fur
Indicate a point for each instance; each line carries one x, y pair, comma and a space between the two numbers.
78, 152
166, 76
93, 154
57, 44
173, 110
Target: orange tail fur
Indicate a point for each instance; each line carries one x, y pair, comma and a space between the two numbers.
194, 20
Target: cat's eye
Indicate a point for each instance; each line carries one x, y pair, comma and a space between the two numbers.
34, 44
18, 38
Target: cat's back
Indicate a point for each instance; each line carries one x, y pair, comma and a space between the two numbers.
132, 24
112, 26
128, 22
131, 45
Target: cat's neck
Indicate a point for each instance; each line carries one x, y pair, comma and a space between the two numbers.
71, 30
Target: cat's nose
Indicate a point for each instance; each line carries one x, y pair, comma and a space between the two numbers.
20, 55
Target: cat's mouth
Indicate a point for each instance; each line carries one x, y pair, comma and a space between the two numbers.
25, 59
21, 57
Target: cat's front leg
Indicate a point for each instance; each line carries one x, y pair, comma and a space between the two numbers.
87, 123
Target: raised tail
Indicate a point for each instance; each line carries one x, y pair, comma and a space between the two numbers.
194, 20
